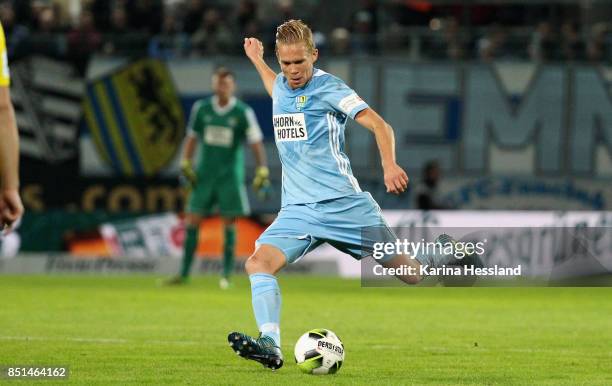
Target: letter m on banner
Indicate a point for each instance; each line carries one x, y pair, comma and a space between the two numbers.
135, 118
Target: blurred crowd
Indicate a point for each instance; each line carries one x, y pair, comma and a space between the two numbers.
76, 29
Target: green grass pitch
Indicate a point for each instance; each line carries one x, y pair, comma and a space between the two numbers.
127, 330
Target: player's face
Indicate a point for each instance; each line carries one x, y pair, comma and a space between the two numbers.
223, 86
297, 63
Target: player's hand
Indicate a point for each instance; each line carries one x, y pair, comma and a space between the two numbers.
253, 48
396, 179
11, 208
261, 182
188, 173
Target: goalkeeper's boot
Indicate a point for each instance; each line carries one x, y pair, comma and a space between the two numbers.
471, 259
225, 283
263, 349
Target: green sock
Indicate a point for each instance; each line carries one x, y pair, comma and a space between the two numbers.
228, 250
191, 243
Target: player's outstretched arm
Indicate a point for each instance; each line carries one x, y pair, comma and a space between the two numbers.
11, 207
259, 153
396, 179
189, 147
261, 181
253, 48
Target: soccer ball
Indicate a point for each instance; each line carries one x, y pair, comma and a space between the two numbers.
319, 351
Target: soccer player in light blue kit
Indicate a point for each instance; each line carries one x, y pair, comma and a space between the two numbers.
321, 200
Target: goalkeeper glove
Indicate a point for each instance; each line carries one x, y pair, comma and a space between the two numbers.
261, 182
187, 173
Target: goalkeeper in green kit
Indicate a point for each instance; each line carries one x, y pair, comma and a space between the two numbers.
221, 125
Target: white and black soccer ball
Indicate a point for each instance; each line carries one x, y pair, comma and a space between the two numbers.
319, 351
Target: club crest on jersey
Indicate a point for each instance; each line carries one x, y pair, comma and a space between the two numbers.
300, 101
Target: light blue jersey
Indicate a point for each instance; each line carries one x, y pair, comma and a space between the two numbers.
322, 201
309, 127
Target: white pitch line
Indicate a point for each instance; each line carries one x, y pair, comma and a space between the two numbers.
98, 340
385, 347
171, 342
507, 349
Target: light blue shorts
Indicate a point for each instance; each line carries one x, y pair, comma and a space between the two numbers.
351, 224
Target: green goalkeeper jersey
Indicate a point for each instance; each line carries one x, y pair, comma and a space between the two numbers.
222, 133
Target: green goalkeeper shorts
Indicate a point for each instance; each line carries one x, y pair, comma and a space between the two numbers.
229, 197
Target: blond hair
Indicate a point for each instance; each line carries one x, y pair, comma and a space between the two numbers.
293, 32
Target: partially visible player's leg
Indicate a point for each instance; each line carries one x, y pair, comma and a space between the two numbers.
282, 243
229, 244
431, 260
354, 224
233, 202
261, 267
267, 259
200, 202
401, 261
192, 228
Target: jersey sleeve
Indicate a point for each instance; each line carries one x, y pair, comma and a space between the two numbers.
192, 127
342, 98
5, 78
253, 131
278, 81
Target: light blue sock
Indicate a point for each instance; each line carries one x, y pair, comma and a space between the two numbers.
266, 304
